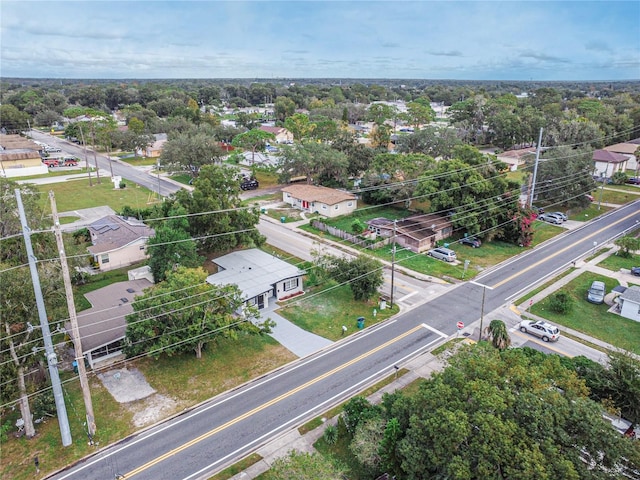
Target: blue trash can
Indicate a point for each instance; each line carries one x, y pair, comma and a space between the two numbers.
283, 219
360, 322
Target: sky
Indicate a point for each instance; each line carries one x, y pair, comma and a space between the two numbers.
462, 40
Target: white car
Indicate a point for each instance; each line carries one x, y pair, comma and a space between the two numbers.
540, 328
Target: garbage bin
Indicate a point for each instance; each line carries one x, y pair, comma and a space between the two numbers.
283, 219
360, 322
75, 366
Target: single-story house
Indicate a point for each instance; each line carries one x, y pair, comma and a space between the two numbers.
20, 157
323, 200
102, 327
259, 276
517, 157
628, 149
282, 134
606, 163
629, 302
118, 241
155, 149
417, 232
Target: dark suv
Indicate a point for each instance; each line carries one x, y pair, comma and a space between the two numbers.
471, 241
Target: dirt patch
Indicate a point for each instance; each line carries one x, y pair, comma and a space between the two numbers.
129, 386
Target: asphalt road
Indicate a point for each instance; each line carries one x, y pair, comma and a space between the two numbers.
236, 423
158, 185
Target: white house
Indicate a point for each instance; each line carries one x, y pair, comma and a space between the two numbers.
607, 163
282, 134
118, 241
260, 276
630, 303
325, 201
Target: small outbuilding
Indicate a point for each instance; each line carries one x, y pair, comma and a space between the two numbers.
629, 302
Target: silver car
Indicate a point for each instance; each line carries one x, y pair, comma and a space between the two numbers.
542, 329
442, 253
596, 292
551, 218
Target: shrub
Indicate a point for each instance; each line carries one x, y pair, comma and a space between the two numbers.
331, 434
561, 302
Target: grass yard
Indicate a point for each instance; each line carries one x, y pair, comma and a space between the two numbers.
616, 262
185, 379
325, 310
593, 320
140, 161
77, 194
615, 195
183, 178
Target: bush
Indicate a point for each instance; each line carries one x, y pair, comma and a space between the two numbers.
357, 226
561, 302
331, 434
123, 185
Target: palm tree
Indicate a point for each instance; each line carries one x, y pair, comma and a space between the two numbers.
497, 330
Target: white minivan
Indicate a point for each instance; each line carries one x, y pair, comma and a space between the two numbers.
442, 253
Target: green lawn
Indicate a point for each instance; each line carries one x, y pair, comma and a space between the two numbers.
617, 262
593, 320
325, 310
77, 194
617, 196
223, 366
140, 161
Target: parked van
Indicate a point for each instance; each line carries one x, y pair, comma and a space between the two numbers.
442, 253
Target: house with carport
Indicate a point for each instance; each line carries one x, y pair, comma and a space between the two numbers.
417, 233
118, 241
262, 278
325, 201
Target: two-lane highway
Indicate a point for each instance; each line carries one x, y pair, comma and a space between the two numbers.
237, 422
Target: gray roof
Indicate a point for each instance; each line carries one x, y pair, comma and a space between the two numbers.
104, 322
632, 294
253, 271
113, 232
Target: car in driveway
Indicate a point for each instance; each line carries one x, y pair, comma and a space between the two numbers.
633, 180
550, 218
635, 271
442, 253
471, 241
596, 292
540, 328
561, 215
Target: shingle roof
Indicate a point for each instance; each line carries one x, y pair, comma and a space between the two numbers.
253, 271
105, 321
311, 193
610, 157
632, 294
274, 130
113, 232
627, 148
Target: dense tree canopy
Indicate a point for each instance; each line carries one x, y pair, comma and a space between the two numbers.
191, 151
184, 313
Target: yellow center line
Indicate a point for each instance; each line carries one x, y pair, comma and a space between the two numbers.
267, 404
533, 265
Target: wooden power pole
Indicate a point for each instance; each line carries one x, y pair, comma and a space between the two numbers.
73, 318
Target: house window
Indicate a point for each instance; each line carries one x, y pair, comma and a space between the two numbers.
104, 258
350, 204
324, 207
290, 284
141, 247
337, 207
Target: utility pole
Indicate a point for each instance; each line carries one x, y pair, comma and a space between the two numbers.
604, 177
73, 318
484, 291
393, 261
84, 149
52, 359
535, 169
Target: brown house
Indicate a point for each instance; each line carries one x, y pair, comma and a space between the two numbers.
417, 232
282, 134
20, 157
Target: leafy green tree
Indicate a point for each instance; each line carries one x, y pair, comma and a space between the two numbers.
364, 274
300, 125
313, 160
218, 220
419, 113
184, 314
191, 151
365, 444
627, 244
507, 414
499, 335
358, 155
254, 140
12, 119
284, 107
305, 466
436, 142
136, 125
247, 120
172, 246
378, 113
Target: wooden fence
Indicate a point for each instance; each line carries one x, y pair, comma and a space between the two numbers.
360, 242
